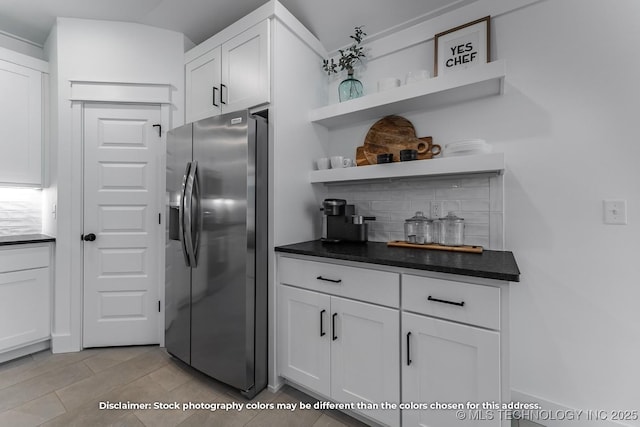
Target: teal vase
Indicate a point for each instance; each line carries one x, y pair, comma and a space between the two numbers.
350, 88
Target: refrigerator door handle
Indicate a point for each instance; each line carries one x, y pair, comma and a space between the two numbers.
196, 213
188, 214
181, 215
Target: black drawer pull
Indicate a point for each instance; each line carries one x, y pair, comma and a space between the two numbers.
333, 326
459, 304
329, 280
408, 348
322, 332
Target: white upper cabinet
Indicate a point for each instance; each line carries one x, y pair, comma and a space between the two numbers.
231, 76
245, 69
20, 125
203, 86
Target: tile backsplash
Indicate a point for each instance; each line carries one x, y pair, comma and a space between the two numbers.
476, 198
20, 211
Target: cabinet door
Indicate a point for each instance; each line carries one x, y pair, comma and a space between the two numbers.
245, 69
365, 364
24, 308
304, 338
20, 125
448, 363
203, 86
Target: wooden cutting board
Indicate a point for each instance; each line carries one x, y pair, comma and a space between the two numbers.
392, 134
469, 249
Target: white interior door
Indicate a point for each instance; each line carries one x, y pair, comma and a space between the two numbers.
121, 175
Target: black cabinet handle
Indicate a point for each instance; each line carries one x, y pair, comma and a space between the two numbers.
221, 96
459, 304
89, 237
329, 280
408, 348
333, 327
322, 332
214, 96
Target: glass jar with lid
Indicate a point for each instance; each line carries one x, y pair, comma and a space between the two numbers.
451, 230
418, 229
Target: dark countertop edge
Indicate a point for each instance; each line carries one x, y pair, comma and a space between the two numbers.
508, 277
25, 239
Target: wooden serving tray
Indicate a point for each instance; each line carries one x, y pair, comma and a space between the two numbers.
391, 134
468, 249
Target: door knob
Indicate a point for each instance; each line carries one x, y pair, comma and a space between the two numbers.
89, 237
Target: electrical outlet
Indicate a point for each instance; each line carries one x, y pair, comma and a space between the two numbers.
436, 210
615, 211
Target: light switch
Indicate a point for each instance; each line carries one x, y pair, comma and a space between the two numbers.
615, 212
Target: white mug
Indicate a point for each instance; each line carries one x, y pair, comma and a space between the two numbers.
416, 76
347, 162
338, 162
388, 83
323, 163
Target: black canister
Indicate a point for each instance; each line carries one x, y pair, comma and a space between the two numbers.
384, 158
408, 154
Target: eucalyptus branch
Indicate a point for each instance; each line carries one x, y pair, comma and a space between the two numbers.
349, 56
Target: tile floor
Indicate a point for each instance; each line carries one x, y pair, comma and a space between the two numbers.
65, 390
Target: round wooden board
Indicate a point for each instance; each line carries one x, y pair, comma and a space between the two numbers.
392, 134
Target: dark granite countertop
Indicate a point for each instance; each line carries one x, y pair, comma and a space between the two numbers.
499, 265
23, 239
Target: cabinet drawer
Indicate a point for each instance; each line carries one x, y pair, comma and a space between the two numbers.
378, 287
24, 258
462, 302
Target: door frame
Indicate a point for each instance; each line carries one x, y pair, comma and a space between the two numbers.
69, 252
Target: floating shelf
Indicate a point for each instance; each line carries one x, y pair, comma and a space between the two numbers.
464, 85
482, 163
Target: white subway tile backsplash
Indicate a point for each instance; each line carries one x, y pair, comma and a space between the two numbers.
20, 211
385, 206
391, 202
461, 193
477, 205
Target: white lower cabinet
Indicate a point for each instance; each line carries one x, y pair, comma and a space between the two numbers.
25, 297
453, 350
343, 349
345, 333
304, 346
446, 362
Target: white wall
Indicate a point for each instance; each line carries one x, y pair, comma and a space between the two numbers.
95, 51
567, 124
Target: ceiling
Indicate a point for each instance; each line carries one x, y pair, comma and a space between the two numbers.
332, 21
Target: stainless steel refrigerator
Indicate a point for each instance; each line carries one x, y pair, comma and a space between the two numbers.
216, 252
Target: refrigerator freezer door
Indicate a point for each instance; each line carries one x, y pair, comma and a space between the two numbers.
177, 273
223, 285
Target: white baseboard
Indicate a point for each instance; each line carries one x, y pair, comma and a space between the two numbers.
63, 343
30, 349
556, 415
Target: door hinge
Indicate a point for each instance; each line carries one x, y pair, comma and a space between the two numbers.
158, 306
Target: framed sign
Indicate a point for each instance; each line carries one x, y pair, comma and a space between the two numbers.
462, 47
